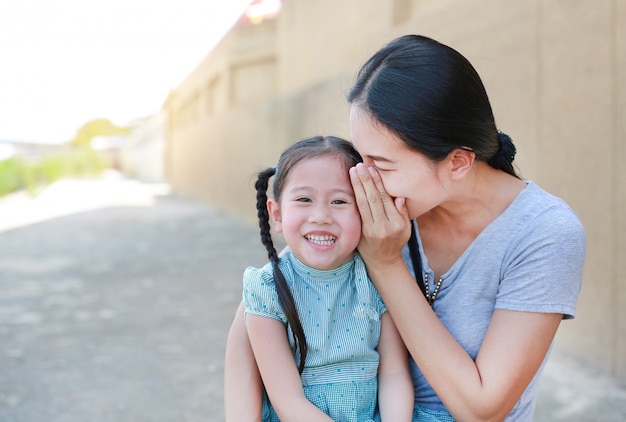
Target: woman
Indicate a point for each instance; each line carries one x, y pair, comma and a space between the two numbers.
500, 259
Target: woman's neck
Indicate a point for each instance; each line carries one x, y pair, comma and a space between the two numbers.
474, 202
477, 199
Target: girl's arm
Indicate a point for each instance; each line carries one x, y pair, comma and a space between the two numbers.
515, 343
395, 388
279, 371
243, 389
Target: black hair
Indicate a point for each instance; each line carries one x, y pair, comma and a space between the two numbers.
432, 98
307, 148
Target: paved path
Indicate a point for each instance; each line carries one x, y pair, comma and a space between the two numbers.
116, 298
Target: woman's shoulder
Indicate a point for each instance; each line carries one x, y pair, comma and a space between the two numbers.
535, 217
536, 194
538, 205
540, 217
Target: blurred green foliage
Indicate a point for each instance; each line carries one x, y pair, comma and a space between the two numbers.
19, 174
80, 160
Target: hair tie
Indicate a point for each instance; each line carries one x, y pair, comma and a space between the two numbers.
503, 159
507, 149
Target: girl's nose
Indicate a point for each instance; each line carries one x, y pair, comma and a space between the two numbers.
320, 215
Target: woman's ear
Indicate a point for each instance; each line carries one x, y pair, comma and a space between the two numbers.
273, 208
460, 162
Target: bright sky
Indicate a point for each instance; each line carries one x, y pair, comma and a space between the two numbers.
65, 62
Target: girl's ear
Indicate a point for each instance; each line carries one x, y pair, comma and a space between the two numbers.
273, 208
460, 162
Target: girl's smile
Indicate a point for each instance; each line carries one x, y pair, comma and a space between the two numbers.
321, 240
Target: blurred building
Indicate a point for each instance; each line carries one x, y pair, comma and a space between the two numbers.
30, 151
142, 153
555, 71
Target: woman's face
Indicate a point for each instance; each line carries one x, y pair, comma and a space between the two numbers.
405, 173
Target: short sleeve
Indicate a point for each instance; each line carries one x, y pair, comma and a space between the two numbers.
380, 305
371, 303
545, 275
375, 299
259, 294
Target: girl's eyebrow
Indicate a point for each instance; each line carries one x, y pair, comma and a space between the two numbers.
298, 190
305, 189
346, 191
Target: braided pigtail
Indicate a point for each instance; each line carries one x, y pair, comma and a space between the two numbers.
282, 288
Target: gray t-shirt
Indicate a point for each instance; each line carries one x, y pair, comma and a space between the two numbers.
528, 259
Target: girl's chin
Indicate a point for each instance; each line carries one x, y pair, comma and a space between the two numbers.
324, 264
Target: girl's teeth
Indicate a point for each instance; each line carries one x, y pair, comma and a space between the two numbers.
322, 240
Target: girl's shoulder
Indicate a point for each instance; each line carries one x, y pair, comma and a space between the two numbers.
254, 274
259, 293
266, 272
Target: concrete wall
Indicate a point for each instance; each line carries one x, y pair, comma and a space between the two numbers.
555, 71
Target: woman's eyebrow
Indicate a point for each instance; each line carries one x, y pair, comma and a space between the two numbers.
379, 159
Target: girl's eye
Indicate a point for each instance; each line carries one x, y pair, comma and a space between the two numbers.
303, 200
339, 202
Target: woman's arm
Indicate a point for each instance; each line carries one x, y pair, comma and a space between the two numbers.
243, 389
279, 371
488, 388
395, 388
515, 343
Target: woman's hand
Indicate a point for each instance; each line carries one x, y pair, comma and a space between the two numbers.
386, 225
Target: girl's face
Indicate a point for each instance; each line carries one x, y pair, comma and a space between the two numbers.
405, 173
317, 213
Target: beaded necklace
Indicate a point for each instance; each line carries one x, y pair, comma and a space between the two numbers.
431, 297
421, 278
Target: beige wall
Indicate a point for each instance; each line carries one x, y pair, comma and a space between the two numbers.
555, 71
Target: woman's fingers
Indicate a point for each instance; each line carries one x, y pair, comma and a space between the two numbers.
372, 196
396, 215
360, 195
386, 226
388, 209
382, 216
380, 203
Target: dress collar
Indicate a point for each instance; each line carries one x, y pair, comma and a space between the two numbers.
309, 272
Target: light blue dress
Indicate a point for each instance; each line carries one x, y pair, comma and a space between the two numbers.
340, 312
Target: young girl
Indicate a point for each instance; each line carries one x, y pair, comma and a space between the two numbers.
325, 346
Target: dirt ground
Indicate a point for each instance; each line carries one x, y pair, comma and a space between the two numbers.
116, 298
